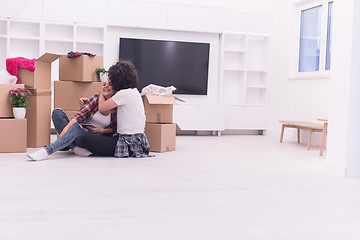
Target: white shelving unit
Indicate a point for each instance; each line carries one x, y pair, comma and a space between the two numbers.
30, 39
3, 42
58, 38
90, 38
244, 79
23, 38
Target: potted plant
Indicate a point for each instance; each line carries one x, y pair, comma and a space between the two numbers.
18, 99
102, 74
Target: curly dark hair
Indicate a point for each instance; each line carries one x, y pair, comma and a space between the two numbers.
123, 75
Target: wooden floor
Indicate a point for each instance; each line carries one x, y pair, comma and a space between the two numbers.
227, 187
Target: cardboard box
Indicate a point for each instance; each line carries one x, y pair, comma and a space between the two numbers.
70, 114
82, 68
38, 117
13, 135
159, 109
5, 104
67, 93
161, 137
41, 77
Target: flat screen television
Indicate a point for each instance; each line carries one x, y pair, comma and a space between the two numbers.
184, 65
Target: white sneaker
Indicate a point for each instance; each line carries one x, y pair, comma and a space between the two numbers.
83, 152
38, 155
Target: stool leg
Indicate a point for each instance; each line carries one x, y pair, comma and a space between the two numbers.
309, 141
298, 132
323, 138
282, 132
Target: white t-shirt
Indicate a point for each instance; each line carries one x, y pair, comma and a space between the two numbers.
99, 120
130, 112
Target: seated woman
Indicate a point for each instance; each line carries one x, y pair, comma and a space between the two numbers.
130, 140
87, 121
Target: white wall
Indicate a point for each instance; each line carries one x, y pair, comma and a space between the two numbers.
291, 98
344, 113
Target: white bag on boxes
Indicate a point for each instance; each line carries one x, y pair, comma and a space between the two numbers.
153, 89
6, 78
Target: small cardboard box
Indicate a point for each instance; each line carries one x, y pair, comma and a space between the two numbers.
13, 135
68, 93
38, 117
82, 68
5, 104
161, 137
41, 77
159, 109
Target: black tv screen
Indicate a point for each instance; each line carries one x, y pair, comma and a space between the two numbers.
183, 65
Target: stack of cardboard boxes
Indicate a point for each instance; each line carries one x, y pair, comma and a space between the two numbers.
77, 79
38, 113
13, 131
160, 129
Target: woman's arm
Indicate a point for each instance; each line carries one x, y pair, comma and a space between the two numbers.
105, 106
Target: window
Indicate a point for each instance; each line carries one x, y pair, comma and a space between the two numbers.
315, 48
328, 38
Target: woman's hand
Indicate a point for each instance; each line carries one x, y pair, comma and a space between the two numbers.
95, 129
83, 101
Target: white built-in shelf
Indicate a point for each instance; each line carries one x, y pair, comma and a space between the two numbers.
257, 70
59, 40
234, 69
24, 29
91, 42
256, 86
244, 76
235, 50
25, 38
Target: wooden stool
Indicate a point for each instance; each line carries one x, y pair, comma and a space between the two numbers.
308, 126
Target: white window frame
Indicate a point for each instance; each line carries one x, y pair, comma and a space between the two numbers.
300, 6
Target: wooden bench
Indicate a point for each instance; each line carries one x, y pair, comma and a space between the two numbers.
308, 126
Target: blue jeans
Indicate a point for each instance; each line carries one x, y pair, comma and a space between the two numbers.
73, 137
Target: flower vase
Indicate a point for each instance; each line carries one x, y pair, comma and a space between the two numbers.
103, 77
19, 112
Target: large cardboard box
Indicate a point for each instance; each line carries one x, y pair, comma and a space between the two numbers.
39, 118
161, 137
41, 77
13, 135
82, 68
159, 109
5, 104
71, 113
68, 93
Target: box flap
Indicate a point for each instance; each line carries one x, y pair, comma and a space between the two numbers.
39, 92
179, 99
48, 57
154, 99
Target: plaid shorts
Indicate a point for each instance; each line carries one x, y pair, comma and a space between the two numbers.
132, 145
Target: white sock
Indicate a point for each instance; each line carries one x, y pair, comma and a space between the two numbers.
38, 155
83, 152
